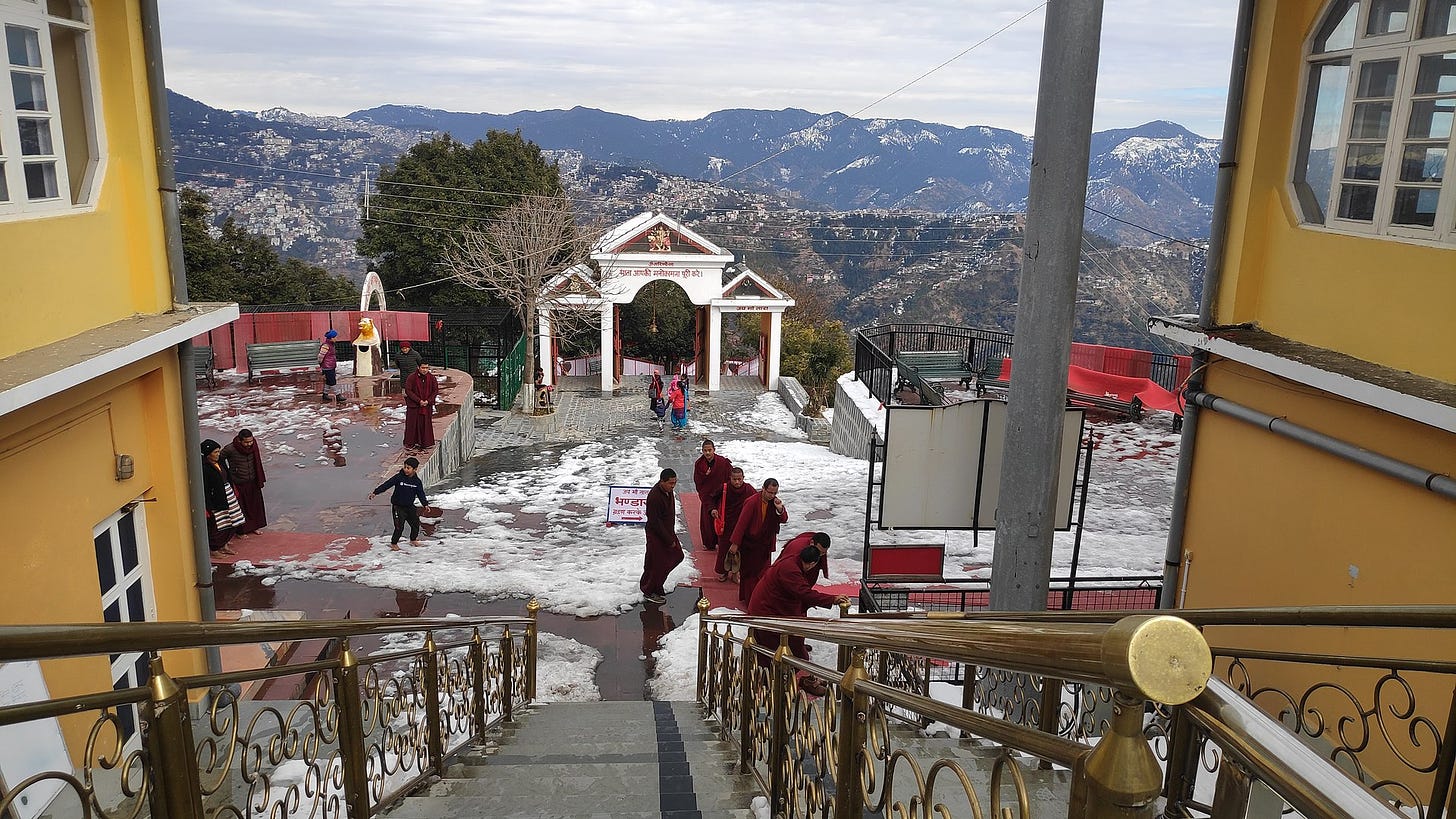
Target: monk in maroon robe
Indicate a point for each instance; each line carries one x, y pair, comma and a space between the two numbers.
244, 462
787, 590
797, 543
710, 476
421, 390
734, 496
755, 535
664, 551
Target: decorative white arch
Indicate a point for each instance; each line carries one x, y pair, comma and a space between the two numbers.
655, 247
372, 287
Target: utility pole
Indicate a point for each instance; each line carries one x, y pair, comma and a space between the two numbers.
1047, 296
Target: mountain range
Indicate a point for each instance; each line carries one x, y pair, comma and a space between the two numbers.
886, 219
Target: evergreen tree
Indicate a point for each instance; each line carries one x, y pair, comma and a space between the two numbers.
435, 189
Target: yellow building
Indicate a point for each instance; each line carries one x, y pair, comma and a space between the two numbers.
97, 418
1318, 465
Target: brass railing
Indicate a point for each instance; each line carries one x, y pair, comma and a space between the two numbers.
365, 731
1363, 736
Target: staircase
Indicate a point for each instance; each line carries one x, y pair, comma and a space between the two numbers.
604, 759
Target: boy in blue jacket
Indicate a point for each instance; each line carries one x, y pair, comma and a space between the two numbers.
407, 486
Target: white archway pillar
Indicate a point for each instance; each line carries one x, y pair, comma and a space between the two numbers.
715, 348
543, 347
608, 351
775, 347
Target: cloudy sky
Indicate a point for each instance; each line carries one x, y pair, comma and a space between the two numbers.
1161, 59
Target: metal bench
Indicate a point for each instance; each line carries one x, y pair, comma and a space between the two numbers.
202, 365
281, 355
1132, 410
937, 365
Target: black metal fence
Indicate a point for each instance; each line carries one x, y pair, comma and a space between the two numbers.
1120, 593
876, 347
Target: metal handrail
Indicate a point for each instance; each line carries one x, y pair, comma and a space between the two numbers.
1351, 616
42, 642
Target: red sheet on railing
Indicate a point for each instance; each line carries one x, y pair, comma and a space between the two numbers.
1107, 385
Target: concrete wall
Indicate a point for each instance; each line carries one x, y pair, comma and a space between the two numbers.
851, 431
457, 442
795, 397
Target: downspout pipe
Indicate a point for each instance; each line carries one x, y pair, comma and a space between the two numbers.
1440, 484
172, 228
1233, 119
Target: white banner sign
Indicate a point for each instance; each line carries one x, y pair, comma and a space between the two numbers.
627, 504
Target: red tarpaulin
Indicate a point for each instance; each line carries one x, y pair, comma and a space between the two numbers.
1107, 385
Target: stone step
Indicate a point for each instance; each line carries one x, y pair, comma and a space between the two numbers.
741, 813
568, 787
542, 801
540, 746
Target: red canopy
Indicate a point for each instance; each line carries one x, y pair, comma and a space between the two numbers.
1107, 385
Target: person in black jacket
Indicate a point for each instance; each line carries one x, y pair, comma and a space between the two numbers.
224, 514
407, 486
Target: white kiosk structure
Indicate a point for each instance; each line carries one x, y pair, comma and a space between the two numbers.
655, 247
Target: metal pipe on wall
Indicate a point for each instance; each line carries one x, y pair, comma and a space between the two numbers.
171, 226
1443, 485
1233, 118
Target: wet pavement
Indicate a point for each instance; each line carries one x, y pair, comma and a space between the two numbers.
323, 460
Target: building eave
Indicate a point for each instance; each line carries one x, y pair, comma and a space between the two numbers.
1407, 395
37, 374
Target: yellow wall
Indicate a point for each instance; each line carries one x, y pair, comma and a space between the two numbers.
114, 254
1378, 299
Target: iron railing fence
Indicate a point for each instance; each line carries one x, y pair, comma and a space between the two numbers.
366, 731
876, 348
1387, 722
874, 367
1111, 593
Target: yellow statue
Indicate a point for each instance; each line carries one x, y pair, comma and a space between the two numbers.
366, 348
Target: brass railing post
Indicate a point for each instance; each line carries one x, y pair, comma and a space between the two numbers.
968, 691
725, 683
1120, 777
710, 675
178, 794
533, 610
436, 735
747, 714
1182, 764
1232, 791
347, 693
508, 674
853, 716
1049, 707
844, 651
477, 673
702, 647
780, 676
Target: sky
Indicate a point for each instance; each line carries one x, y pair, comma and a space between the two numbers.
1160, 59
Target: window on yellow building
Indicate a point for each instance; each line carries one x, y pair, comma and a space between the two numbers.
50, 152
123, 568
1376, 152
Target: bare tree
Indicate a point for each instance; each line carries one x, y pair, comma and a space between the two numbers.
519, 256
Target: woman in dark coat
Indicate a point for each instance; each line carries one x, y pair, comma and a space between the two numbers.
224, 514
243, 461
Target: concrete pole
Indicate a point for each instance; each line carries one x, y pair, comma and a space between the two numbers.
775, 347
1047, 295
608, 362
715, 348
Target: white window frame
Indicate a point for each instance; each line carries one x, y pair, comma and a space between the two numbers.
33, 14
1408, 49
124, 673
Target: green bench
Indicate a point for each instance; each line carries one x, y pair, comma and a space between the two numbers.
936, 365
280, 356
202, 365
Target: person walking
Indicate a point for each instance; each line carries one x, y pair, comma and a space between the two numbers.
407, 488
787, 590
710, 478
678, 400
755, 535
407, 360
421, 390
664, 550
730, 508
328, 359
798, 542
244, 462
224, 515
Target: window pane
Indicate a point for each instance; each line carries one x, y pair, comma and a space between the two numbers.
35, 137
40, 180
1387, 17
1437, 74
1357, 202
113, 612
1423, 163
29, 91
1338, 31
1364, 161
1377, 79
126, 527
1371, 120
127, 716
4, 186
135, 612
1440, 18
105, 565
23, 46
1326, 100
1415, 206
1431, 119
